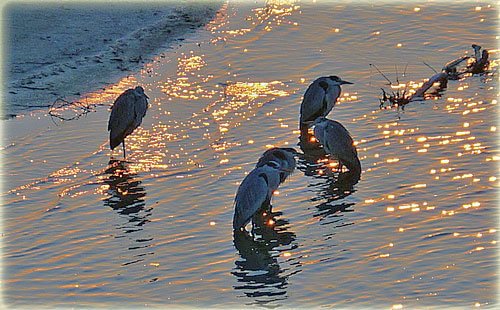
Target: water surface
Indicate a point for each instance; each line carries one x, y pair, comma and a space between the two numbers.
418, 229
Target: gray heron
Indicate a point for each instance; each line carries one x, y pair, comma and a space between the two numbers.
319, 99
337, 142
257, 188
126, 115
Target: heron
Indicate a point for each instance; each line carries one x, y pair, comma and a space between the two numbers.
337, 142
319, 99
284, 156
257, 188
126, 115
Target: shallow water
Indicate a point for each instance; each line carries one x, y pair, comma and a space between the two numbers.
418, 230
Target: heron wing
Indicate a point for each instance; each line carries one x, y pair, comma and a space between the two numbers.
313, 104
338, 142
140, 108
253, 192
122, 118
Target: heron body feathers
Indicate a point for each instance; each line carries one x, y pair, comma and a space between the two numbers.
319, 99
126, 115
257, 188
254, 193
337, 142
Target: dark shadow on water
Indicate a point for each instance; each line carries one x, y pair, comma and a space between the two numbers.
126, 197
329, 186
258, 269
310, 147
328, 194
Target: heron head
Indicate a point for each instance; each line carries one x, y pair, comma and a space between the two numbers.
140, 91
282, 157
286, 158
338, 80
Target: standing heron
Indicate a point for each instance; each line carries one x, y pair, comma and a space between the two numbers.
319, 99
257, 189
126, 115
338, 143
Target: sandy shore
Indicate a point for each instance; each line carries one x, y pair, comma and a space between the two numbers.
65, 50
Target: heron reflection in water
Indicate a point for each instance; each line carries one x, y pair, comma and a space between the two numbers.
258, 269
126, 195
330, 185
330, 193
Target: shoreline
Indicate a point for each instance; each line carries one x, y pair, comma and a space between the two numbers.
79, 67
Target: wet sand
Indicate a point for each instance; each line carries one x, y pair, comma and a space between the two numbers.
65, 50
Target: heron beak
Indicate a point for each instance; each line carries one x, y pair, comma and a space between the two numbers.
345, 82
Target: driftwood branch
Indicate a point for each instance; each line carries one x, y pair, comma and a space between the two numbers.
68, 111
400, 99
441, 78
478, 64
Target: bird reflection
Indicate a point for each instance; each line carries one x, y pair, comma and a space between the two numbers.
330, 185
126, 196
310, 146
331, 190
258, 269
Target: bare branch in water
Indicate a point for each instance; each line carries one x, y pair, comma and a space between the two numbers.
404, 72
479, 64
430, 67
439, 78
437, 82
68, 111
372, 65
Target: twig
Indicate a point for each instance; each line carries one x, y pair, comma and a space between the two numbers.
60, 105
382, 74
430, 67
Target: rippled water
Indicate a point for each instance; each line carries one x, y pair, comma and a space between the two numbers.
418, 229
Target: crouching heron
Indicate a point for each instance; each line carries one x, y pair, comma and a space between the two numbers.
337, 142
283, 156
257, 189
319, 99
126, 115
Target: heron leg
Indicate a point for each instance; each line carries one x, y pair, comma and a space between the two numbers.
123, 144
